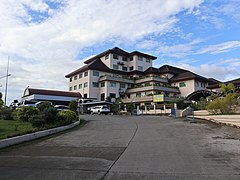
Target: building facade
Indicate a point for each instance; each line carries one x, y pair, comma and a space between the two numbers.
131, 76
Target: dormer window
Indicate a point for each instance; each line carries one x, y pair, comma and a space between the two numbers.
115, 56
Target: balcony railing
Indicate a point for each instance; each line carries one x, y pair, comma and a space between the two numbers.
116, 78
152, 78
153, 87
145, 99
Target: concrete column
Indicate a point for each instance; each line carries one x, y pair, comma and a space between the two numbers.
154, 108
145, 109
164, 108
137, 110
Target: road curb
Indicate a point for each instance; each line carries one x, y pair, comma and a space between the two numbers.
217, 122
28, 137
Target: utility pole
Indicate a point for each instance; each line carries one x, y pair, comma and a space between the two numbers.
5, 99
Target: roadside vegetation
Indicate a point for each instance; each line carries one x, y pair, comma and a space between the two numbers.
29, 119
226, 102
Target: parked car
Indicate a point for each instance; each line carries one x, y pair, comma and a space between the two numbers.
41, 102
61, 107
99, 110
27, 103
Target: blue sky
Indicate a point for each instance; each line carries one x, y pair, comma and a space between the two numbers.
47, 39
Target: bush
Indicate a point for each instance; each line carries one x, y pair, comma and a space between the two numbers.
66, 117
25, 112
73, 105
50, 115
44, 105
223, 105
129, 107
6, 114
37, 121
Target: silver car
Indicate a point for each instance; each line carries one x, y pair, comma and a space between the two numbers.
99, 110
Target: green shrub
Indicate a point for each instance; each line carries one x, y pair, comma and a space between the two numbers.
223, 105
38, 120
66, 117
129, 107
45, 105
73, 105
6, 114
50, 115
25, 112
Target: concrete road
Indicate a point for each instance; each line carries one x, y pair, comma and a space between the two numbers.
129, 147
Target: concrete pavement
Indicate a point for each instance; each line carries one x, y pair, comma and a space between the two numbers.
129, 147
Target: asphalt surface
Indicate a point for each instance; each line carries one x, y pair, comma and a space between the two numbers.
129, 147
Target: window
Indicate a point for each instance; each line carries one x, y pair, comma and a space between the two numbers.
115, 56
113, 84
102, 84
197, 83
131, 58
75, 87
140, 68
75, 77
112, 95
70, 79
70, 88
182, 84
122, 85
80, 75
130, 68
102, 96
148, 60
85, 84
140, 58
107, 57
95, 84
138, 94
115, 66
124, 58
85, 74
95, 73
80, 86
85, 95
124, 68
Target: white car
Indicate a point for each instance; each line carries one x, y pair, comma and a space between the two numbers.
61, 107
99, 110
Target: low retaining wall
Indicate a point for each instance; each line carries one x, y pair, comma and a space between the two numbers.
36, 135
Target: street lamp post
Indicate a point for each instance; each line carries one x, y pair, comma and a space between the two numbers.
6, 76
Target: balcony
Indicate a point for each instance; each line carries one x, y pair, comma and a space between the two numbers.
116, 78
152, 78
144, 99
153, 87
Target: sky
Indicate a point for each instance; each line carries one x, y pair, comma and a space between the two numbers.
47, 39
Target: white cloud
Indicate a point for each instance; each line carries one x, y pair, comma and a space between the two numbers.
43, 52
220, 48
179, 50
213, 71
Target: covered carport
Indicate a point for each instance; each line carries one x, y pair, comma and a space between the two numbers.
196, 95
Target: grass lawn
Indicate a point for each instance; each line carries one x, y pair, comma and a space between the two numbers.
10, 128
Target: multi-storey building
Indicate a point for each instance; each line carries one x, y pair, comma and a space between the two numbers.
117, 73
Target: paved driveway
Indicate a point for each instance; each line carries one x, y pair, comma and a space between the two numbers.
129, 147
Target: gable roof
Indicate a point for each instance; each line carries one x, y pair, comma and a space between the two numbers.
151, 70
117, 50
97, 64
170, 69
187, 76
30, 91
213, 85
